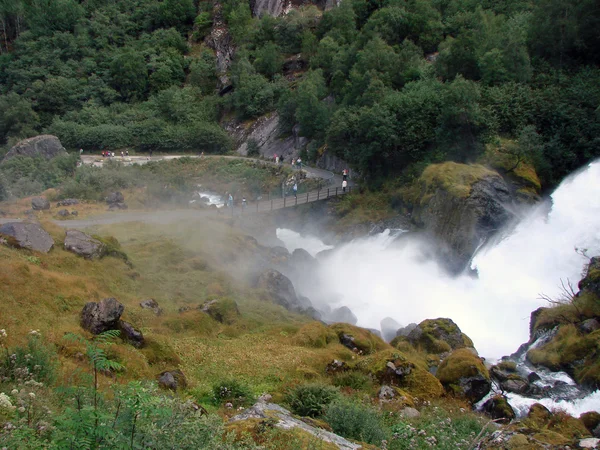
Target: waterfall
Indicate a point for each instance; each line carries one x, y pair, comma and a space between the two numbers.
380, 276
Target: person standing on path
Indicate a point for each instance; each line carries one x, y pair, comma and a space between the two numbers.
344, 185
299, 163
295, 190
345, 174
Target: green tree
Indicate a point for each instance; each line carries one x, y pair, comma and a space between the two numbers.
129, 74
269, 60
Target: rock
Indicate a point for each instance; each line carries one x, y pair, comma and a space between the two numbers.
223, 310
115, 197
463, 374
438, 336
114, 206
358, 339
27, 235
83, 244
589, 443
279, 255
386, 393
389, 328
293, 64
280, 288
398, 370
498, 409
405, 331
40, 203
64, 213
74, 213
533, 377
409, 413
265, 132
589, 326
591, 281
596, 431
45, 146
99, 317
68, 202
591, 420
518, 386
460, 206
284, 419
152, 305
336, 366
131, 335
343, 315
221, 42
301, 259
172, 379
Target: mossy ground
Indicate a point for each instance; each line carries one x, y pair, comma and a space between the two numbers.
524, 173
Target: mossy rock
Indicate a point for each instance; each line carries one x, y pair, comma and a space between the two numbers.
112, 247
498, 409
224, 310
363, 340
568, 426
463, 374
438, 336
523, 175
591, 420
538, 416
591, 281
315, 335
551, 438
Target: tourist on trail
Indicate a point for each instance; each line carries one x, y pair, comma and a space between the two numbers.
80, 151
127, 153
299, 162
345, 174
344, 184
244, 203
295, 190
275, 157
230, 201
201, 155
122, 154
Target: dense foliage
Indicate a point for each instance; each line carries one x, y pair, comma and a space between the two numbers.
388, 84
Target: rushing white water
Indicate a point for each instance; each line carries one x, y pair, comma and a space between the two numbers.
212, 199
293, 240
377, 277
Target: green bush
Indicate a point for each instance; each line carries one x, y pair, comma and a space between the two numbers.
354, 380
232, 391
35, 362
355, 421
311, 399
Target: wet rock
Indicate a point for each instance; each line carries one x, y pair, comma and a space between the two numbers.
27, 235
131, 335
301, 259
64, 213
389, 327
152, 305
45, 146
40, 203
398, 370
102, 316
348, 341
68, 202
463, 374
172, 380
589, 443
284, 419
280, 288
518, 386
533, 377
591, 420
342, 314
83, 244
498, 409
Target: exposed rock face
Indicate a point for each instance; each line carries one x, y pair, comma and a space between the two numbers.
438, 336
39, 203
389, 327
221, 42
27, 235
460, 206
83, 244
280, 288
285, 420
131, 335
46, 146
463, 374
329, 161
102, 316
172, 379
342, 314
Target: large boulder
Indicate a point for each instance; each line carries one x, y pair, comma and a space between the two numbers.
27, 235
463, 374
498, 409
83, 244
39, 203
591, 281
102, 316
223, 310
115, 197
389, 328
172, 380
131, 335
152, 305
438, 336
460, 206
46, 146
280, 288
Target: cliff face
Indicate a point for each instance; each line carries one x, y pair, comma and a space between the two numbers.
278, 8
220, 41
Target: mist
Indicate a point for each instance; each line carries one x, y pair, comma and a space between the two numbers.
381, 276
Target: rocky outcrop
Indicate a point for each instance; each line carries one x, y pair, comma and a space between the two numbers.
280, 289
115, 197
460, 206
591, 282
173, 380
263, 412
328, 161
438, 336
45, 146
102, 316
342, 314
498, 409
221, 42
131, 335
83, 244
265, 132
68, 202
389, 328
40, 204
27, 235
463, 374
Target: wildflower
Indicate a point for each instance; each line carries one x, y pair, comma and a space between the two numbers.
22, 409
14, 391
32, 395
5, 402
34, 332
3, 333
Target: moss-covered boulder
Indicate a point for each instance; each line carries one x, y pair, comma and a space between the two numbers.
459, 205
402, 370
438, 336
559, 424
224, 310
591, 420
591, 281
463, 374
498, 409
358, 339
315, 335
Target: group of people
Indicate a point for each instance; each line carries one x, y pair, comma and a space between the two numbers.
296, 162
229, 200
107, 154
344, 180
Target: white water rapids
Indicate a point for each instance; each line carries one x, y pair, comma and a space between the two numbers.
377, 277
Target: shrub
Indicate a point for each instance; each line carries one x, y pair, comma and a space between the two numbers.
355, 421
253, 147
311, 399
36, 361
232, 391
354, 380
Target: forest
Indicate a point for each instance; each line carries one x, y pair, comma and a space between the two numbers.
388, 85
